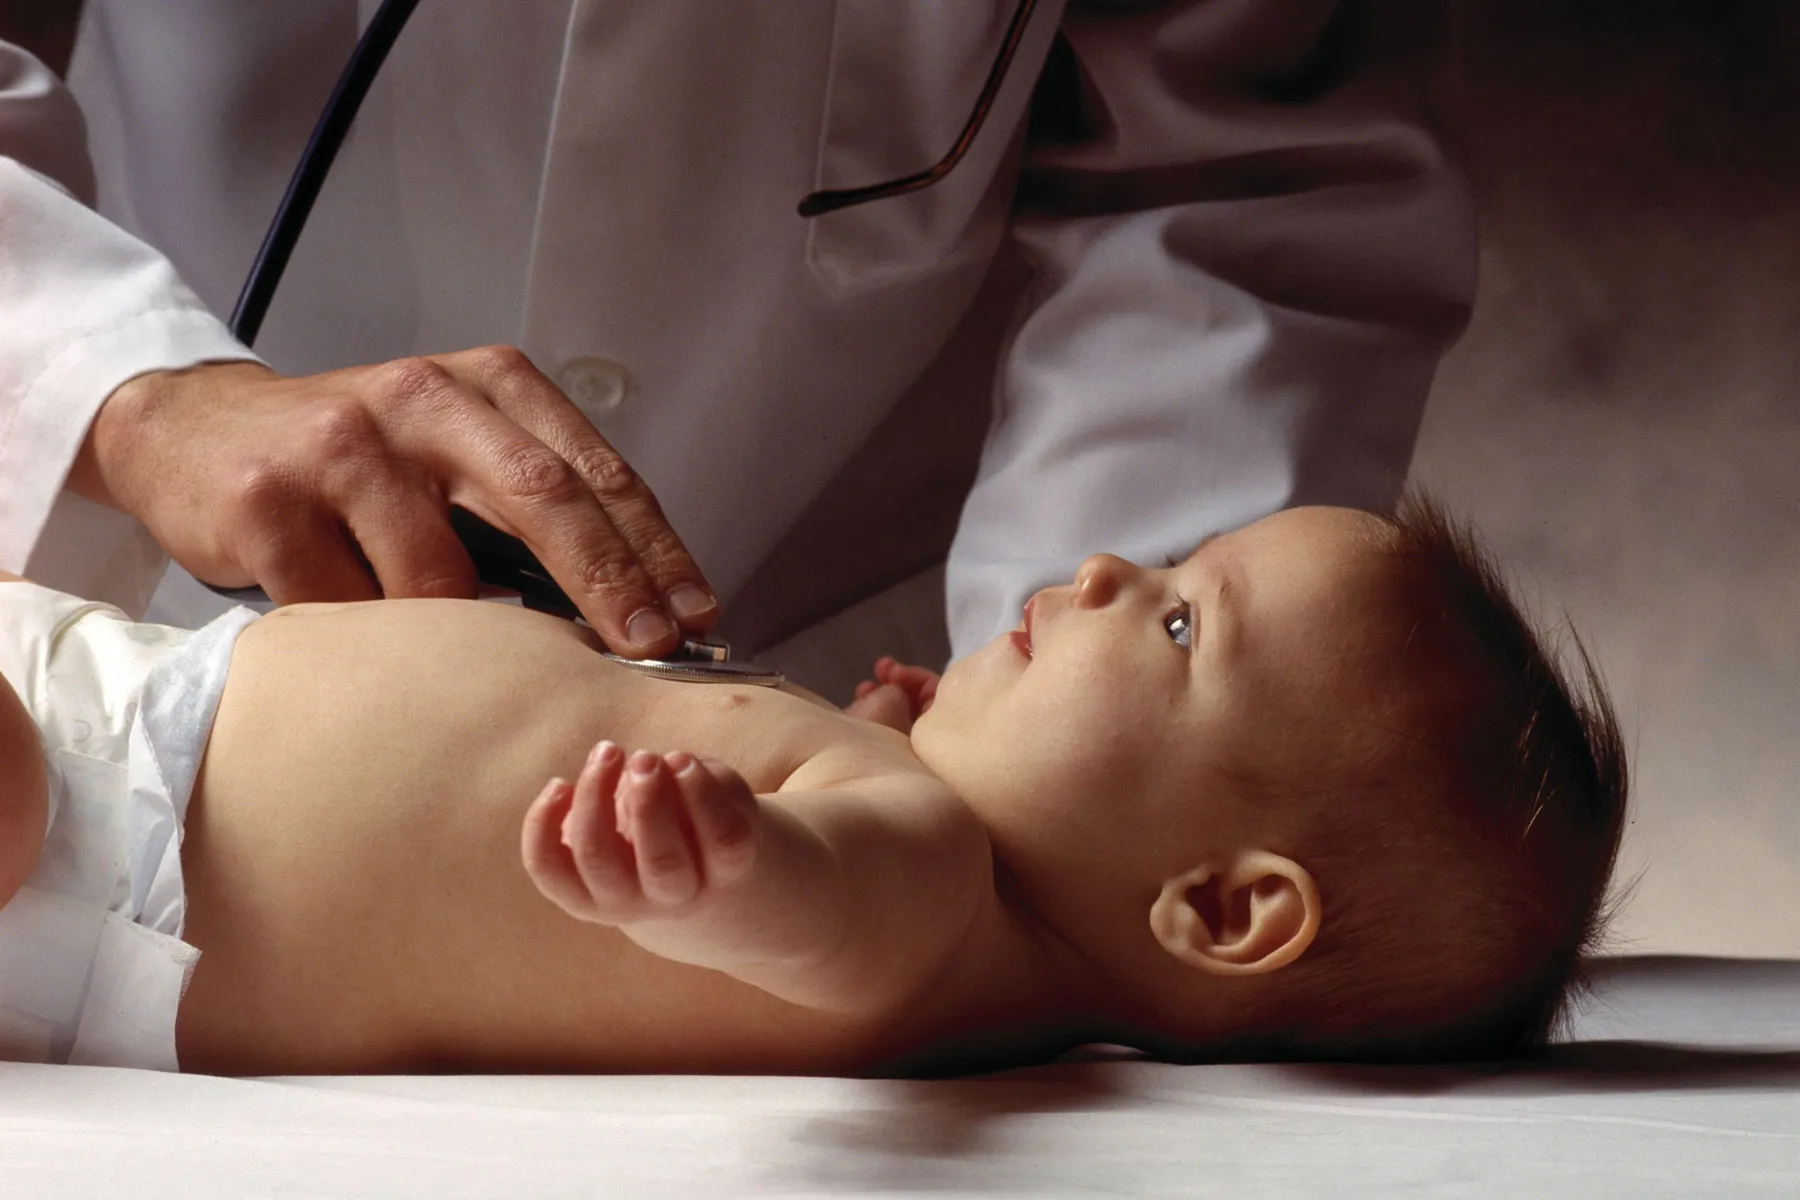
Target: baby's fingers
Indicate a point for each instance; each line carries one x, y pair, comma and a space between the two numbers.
908, 676
649, 812
547, 860
722, 811
603, 859
919, 684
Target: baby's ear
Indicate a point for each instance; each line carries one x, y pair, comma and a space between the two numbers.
1251, 913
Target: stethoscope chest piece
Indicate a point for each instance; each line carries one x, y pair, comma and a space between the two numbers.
702, 662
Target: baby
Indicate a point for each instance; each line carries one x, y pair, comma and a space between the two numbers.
1315, 790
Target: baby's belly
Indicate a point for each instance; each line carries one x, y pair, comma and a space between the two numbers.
352, 855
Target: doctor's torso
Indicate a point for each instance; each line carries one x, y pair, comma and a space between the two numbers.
609, 184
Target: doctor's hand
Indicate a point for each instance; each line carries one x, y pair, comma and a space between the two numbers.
337, 486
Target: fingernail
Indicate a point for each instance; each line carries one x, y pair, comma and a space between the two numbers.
601, 752
688, 602
647, 627
681, 762
643, 763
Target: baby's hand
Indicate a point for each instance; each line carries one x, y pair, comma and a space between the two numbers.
896, 697
652, 837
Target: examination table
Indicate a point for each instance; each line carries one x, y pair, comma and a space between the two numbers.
1681, 1078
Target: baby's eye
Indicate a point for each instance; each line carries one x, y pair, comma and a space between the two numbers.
1179, 625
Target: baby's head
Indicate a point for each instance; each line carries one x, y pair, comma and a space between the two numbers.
1315, 791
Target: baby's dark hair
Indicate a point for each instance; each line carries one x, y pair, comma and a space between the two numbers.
1463, 857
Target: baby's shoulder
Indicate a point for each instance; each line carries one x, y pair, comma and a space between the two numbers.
867, 758
873, 768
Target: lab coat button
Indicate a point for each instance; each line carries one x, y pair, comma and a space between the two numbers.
596, 385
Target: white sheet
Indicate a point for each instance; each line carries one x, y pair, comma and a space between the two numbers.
1702, 1100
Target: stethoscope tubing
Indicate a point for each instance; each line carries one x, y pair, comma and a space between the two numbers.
314, 166
365, 64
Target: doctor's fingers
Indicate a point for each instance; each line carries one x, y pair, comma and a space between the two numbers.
357, 524
406, 539
501, 472
514, 482
522, 392
300, 552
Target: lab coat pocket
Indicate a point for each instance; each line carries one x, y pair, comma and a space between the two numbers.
903, 79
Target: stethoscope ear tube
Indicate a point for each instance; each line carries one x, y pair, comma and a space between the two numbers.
314, 165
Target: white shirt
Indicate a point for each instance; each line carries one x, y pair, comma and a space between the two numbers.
1242, 276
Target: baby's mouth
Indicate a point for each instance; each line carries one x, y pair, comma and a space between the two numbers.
1021, 637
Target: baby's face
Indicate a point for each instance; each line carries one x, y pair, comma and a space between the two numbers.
1093, 738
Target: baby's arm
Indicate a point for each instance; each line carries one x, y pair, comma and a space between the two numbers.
835, 898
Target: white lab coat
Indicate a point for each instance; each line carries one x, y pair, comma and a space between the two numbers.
1245, 260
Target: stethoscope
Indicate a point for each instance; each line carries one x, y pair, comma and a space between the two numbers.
501, 560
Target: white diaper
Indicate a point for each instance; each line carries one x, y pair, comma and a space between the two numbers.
92, 966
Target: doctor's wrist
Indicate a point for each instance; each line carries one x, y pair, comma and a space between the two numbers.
87, 475
117, 446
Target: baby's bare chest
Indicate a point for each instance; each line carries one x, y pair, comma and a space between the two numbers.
370, 773
469, 700
762, 733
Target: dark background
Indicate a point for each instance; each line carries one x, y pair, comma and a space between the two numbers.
1623, 417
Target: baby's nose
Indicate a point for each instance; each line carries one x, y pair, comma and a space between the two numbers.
1100, 579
